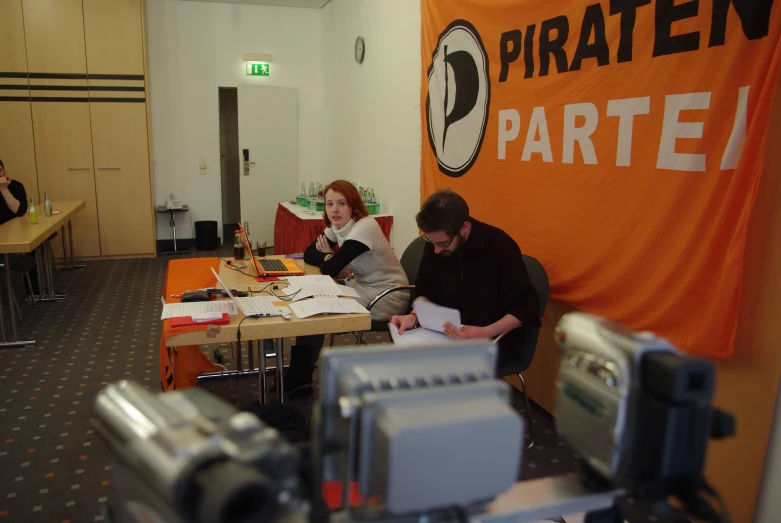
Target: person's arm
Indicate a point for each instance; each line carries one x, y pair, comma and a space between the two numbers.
507, 323
333, 264
312, 256
517, 292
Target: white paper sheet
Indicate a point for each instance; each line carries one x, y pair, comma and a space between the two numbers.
434, 317
177, 310
305, 309
339, 290
419, 336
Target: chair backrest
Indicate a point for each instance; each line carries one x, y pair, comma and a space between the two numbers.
539, 279
516, 359
410, 259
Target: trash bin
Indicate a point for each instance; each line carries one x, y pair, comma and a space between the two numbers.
206, 238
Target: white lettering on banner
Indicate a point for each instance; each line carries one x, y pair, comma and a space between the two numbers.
673, 129
626, 109
505, 134
738, 135
542, 146
580, 134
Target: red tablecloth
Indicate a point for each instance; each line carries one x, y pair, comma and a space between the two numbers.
294, 234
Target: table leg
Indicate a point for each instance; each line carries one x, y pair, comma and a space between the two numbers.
261, 373
281, 370
65, 266
43, 267
15, 340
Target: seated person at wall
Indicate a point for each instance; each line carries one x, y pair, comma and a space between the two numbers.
13, 197
473, 267
364, 259
13, 204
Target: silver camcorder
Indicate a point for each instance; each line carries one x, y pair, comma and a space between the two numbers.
423, 434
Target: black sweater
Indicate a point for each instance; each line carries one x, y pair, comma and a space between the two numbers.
18, 192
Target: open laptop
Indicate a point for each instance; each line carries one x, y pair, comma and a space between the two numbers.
252, 307
271, 266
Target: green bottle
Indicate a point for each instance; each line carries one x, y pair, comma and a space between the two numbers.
33, 212
47, 205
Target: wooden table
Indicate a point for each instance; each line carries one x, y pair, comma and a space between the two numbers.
18, 236
274, 327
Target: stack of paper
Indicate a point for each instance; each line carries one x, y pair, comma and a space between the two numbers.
198, 308
432, 319
305, 309
320, 291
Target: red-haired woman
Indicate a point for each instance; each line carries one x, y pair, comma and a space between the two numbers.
364, 256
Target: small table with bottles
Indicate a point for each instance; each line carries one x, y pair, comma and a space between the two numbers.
296, 227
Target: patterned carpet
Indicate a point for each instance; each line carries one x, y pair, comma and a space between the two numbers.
53, 466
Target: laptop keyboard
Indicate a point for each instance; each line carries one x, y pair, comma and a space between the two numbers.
273, 266
257, 305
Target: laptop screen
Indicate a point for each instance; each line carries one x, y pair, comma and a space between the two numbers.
227, 289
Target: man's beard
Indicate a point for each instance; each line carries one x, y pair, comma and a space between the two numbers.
458, 239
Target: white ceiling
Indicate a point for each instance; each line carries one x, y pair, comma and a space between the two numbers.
313, 4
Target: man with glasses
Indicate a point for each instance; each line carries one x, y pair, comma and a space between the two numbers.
473, 267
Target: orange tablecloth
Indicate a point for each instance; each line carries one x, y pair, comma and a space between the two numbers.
180, 369
293, 234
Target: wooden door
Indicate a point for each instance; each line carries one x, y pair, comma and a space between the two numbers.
122, 181
63, 149
114, 37
16, 132
54, 32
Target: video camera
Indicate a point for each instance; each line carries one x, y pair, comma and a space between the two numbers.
424, 434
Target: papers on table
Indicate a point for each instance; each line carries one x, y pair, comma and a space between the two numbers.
434, 317
305, 309
317, 284
335, 290
199, 309
420, 336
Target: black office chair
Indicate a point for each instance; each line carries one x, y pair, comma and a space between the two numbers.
410, 262
520, 358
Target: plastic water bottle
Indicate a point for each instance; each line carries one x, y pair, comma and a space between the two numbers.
33, 212
47, 205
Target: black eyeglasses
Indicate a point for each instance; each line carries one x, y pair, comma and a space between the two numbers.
443, 245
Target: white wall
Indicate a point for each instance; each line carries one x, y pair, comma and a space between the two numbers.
769, 503
373, 133
195, 47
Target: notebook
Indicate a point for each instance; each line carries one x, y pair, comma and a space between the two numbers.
271, 266
252, 307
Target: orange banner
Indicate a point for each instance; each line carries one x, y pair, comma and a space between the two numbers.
619, 142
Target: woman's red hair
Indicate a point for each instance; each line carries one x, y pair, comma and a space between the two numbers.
351, 195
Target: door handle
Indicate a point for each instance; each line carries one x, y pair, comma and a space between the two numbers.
79, 168
109, 168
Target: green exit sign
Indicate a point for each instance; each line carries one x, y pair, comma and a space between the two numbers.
257, 69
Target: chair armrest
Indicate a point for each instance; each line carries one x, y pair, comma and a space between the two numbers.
389, 291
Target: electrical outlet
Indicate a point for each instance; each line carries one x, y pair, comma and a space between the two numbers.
202, 163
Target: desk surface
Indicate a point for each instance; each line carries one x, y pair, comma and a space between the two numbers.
18, 236
272, 327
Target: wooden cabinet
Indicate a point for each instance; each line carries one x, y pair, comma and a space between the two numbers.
113, 32
17, 149
77, 127
12, 53
63, 147
54, 31
122, 179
